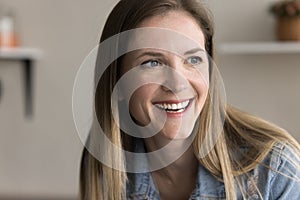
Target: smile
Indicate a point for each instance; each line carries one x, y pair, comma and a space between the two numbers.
173, 107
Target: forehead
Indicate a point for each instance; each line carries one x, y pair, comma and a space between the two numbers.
175, 31
179, 22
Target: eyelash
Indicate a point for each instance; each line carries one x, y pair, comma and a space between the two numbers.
199, 60
145, 64
159, 63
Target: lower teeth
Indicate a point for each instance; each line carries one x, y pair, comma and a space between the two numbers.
175, 111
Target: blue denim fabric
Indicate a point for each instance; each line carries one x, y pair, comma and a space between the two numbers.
279, 182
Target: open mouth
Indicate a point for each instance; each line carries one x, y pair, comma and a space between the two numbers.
174, 107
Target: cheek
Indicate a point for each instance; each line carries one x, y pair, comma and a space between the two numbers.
201, 87
142, 95
140, 104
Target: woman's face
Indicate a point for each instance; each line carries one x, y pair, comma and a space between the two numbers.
185, 85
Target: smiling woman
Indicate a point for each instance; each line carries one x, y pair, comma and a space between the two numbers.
166, 80
187, 89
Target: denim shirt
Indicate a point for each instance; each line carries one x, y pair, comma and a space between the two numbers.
282, 181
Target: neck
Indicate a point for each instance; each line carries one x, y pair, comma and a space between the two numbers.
185, 164
176, 180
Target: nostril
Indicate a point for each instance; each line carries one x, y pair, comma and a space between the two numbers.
175, 86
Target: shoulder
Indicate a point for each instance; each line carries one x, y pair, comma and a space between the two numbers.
283, 159
278, 176
286, 180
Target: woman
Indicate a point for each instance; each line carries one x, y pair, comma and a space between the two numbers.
248, 159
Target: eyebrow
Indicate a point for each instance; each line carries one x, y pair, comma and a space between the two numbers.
192, 51
150, 53
158, 54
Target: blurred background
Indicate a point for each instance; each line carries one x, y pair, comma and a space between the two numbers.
39, 147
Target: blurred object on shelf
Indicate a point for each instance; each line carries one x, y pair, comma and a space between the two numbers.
8, 35
286, 8
288, 28
287, 13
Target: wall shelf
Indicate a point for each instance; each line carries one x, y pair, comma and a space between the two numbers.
26, 56
271, 47
20, 53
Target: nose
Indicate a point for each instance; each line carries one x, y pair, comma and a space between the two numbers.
174, 80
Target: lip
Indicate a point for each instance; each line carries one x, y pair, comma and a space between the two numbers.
172, 101
172, 113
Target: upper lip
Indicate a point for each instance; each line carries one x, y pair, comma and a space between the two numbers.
173, 104
172, 101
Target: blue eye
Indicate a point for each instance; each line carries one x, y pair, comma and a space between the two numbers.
151, 63
194, 60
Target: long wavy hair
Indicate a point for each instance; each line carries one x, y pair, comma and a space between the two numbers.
224, 161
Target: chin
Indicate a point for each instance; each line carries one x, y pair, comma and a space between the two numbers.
182, 131
176, 135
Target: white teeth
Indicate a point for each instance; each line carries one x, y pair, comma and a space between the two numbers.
184, 104
173, 108
177, 111
179, 105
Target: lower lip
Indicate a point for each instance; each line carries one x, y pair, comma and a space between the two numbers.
178, 114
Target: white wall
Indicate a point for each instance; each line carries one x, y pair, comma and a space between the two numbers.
265, 85
40, 156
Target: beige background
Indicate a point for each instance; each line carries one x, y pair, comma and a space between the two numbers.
39, 157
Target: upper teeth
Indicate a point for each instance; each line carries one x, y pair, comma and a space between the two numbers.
173, 106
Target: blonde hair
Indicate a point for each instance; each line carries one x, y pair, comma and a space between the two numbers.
98, 181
